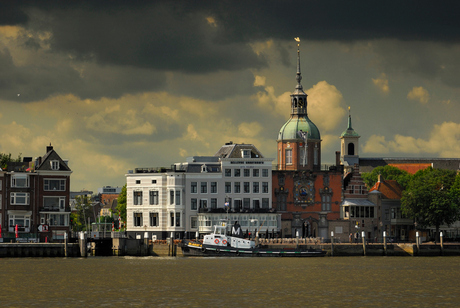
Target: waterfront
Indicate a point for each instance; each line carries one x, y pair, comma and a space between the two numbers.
239, 282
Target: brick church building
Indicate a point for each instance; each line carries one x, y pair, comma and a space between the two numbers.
307, 195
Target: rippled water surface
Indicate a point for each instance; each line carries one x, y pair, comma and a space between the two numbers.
231, 282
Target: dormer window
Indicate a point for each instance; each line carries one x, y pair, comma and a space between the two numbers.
246, 153
54, 165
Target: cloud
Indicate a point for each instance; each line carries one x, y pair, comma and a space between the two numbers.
419, 94
382, 83
444, 141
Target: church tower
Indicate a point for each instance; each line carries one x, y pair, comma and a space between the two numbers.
349, 145
299, 140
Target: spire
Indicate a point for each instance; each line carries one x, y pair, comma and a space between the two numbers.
298, 76
349, 119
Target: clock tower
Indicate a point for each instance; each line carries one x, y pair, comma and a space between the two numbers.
299, 140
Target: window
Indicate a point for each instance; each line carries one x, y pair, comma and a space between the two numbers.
204, 187
255, 187
247, 172
246, 203
193, 222
228, 172
213, 187
177, 197
237, 172
153, 197
153, 218
265, 173
138, 181
288, 156
246, 153
237, 187
193, 187
265, 187
281, 202
154, 181
177, 219
228, 187
326, 202
171, 196
213, 203
50, 184
315, 157
54, 165
137, 197
171, 219
303, 159
193, 204
246, 188
256, 204
203, 203
237, 205
138, 220
255, 172
20, 180
20, 198
57, 219
265, 203
54, 203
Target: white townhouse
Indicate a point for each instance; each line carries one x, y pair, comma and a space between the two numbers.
233, 185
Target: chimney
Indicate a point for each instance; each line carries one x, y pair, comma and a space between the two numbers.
337, 158
379, 177
49, 148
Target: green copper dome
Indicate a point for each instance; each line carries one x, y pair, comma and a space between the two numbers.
296, 124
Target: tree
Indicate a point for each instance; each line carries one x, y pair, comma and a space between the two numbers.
121, 204
80, 217
432, 198
6, 158
387, 173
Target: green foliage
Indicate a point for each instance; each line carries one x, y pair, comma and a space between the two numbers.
6, 158
432, 197
121, 204
387, 173
103, 219
79, 219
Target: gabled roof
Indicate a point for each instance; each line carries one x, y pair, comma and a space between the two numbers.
390, 189
231, 150
51, 155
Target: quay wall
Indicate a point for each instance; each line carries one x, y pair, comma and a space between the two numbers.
14, 250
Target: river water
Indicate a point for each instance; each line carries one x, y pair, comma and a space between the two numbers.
230, 282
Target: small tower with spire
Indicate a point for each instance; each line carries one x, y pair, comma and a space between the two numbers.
349, 145
299, 140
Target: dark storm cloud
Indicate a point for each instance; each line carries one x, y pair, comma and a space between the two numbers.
174, 35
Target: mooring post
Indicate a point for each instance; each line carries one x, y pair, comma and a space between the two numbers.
417, 240
332, 243
442, 243
364, 242
65, 244
385, 243
82, 241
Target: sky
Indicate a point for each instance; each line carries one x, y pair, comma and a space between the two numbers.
118, 85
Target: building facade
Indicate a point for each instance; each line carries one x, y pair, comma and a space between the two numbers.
190, 197
34, 198
307, 195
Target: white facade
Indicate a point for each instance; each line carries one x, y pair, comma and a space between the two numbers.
203, 185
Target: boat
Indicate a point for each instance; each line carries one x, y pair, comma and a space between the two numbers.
219, 244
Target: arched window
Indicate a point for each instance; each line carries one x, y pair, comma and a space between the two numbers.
295, 102
351, 149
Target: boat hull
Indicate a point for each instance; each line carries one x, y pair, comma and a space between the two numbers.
193, 249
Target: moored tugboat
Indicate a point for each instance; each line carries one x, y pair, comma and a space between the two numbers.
218, 244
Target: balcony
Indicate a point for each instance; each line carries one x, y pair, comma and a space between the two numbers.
401, 221
222, 210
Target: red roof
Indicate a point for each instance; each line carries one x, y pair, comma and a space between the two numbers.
411, 168
390, 189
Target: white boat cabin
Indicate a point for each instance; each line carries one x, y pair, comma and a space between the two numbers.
219, 238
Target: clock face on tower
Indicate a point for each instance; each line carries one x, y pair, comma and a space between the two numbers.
304, 192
